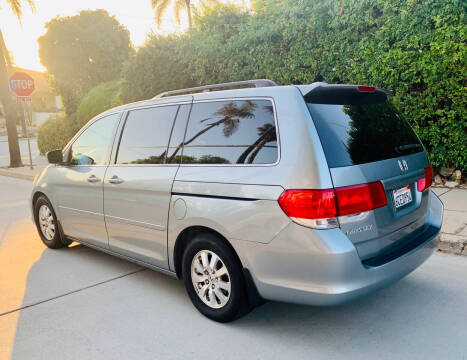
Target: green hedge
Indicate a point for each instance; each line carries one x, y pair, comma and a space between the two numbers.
158, 66
103, 97
55, 133
416, 48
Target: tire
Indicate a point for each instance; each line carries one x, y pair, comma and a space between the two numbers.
47, 224
214, 306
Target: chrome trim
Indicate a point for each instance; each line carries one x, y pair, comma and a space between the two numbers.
175, 103
133, 260
276, 122
79, 210
136, 223
143, 165
79, 166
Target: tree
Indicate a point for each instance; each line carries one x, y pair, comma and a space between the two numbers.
98, 100
5, 95
231, 114
83, 51
161, 6
158, 66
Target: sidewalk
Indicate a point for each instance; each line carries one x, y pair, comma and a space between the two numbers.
453, 232
22, 172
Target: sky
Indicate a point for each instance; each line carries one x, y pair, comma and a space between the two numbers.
21, 39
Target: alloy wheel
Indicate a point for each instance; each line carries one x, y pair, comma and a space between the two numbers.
46, 222
211, 279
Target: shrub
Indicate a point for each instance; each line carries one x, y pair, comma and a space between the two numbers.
416, 48
55, 133
97, 100
157, 66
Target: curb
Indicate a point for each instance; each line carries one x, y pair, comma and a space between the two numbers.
453, 244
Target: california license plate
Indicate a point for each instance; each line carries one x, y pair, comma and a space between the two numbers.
402, 196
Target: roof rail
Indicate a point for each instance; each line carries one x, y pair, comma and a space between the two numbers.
257, 83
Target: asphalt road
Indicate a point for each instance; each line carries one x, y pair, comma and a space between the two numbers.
78, 303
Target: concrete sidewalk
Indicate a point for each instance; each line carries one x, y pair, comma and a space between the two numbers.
454, 230
453, 233
22, 172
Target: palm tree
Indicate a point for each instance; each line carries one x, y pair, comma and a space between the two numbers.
230, 118
5, 95
266, 133
160, 7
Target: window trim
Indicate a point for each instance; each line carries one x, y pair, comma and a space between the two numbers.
271, 99
88, 125
118, 138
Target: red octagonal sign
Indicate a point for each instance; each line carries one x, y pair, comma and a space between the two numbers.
21, 84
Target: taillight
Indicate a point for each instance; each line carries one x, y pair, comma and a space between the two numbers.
425, 182
360, 198
364, 88
309, 204
320, 208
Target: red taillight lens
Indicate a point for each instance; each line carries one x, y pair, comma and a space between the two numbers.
364, 88
425, 183
359, 198
329, 203
309, 204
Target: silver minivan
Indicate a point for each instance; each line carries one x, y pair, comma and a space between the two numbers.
313, 194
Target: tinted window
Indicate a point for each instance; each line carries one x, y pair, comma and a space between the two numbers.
146, 135
231, 132
92, 146
174, 152
360, 133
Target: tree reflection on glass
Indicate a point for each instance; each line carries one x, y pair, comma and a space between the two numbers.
372, 133
239, 117
230, 119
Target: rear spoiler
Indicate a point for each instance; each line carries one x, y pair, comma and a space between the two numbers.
322, 93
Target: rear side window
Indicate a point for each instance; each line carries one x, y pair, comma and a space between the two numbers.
360, 133
146, 135
231, 132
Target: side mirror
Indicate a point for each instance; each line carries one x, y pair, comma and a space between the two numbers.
55, 157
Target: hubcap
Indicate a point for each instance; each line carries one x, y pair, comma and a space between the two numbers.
211, 279
46, 222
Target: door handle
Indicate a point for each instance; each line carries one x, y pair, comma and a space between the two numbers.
115, 180
93, 179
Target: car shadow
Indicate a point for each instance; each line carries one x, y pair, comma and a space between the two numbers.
108, 303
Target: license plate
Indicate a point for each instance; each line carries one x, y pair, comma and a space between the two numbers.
402, 196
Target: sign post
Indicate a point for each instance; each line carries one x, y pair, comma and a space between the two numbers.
23, 85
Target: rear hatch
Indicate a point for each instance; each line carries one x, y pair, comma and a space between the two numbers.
366, 140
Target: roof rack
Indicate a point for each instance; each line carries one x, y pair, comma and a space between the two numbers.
257, 83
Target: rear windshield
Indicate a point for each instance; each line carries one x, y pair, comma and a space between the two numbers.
356, 134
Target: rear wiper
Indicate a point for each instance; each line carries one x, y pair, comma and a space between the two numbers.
403, 148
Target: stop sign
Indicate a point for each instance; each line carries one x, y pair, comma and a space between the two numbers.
21, 84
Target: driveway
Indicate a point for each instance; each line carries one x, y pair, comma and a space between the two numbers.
77, 303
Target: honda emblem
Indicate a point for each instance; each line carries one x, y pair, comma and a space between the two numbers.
403, 165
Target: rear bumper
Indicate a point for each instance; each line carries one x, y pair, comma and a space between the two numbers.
322, 267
